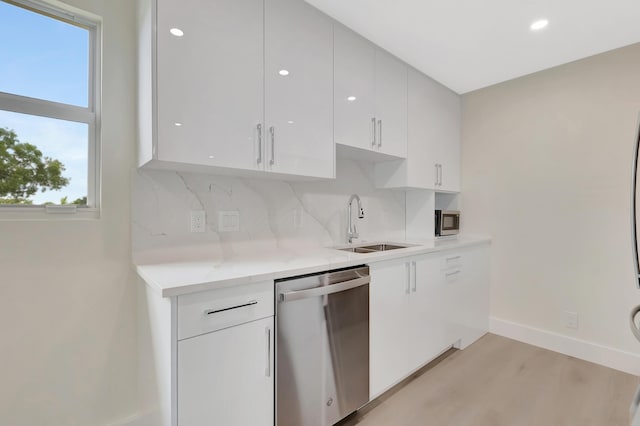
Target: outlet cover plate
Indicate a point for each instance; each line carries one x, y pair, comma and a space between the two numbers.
198, 221
229, 221
571, 319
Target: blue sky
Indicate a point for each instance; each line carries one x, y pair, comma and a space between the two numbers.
48, 59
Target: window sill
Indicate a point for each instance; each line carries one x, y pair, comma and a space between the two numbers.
40, 214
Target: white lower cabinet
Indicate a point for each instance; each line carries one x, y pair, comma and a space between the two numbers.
420, 306
212, 356
465, 274
406, 319
388, 318
226, 377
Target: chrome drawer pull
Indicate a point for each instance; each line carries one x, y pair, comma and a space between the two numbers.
215, 311
453, 258
452, 273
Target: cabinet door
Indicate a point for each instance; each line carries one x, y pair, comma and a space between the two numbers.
298, 89
426, 325
209, 82
354, 89
466, 280
391, 105
422, 150
473, 296
445, 117
388, 332
226, 377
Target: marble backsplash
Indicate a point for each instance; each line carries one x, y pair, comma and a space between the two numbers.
273, 214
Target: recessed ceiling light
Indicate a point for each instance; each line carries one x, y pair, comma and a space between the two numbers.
283, 72
539, 24
351, 98
290, 122
177, 124
176, 32
211, 157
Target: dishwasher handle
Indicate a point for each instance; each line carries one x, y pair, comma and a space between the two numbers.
322, 291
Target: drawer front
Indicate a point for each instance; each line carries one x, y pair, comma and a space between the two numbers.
453, 260
200, 313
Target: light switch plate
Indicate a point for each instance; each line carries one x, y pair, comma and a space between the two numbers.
229, 221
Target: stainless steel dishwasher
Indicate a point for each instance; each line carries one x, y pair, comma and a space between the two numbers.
322, 347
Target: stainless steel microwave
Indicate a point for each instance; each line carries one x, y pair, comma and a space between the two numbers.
447, 222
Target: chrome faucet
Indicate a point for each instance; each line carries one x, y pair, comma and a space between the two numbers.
352, 231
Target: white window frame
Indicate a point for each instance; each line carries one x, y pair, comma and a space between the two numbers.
89, 115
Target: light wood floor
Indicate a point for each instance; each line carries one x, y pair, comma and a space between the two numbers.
501, 382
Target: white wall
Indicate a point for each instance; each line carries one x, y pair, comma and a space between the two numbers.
67, 294
546, 167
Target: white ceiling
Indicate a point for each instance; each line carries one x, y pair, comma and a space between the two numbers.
470, 44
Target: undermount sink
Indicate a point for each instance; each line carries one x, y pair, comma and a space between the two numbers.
357, 250
374, 248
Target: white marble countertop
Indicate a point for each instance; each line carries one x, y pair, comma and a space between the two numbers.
177, 278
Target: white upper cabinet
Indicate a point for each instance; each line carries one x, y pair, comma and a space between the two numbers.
370, 96
444, 113
298, 89
244, 85
433, 160
209, 85
391, 105
354, 89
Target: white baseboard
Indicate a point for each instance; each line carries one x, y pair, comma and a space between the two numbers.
588, 351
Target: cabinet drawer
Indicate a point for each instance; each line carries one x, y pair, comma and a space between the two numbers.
213, 310
453, 260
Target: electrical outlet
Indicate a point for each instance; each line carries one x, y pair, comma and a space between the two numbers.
571, 319
198, 220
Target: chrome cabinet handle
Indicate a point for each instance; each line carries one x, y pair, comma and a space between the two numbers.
440, 174
373, 127
634, 327
322, 291
415, 277
267, 371
437, 174
272, 131
244, 305
408, 289
452, 273
259, 160
379, 133
453, 258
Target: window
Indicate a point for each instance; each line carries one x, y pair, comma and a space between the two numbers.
49, 115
